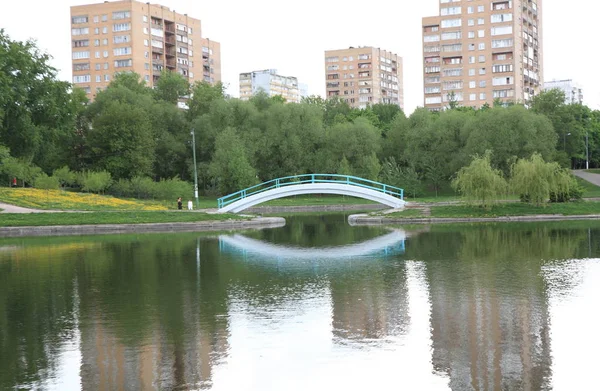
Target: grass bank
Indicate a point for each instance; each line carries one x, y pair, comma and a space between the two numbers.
503, 210
129, 217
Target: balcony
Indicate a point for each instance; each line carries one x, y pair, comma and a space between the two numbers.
170, 41
169, 28
170, 52
157, 50
171, 64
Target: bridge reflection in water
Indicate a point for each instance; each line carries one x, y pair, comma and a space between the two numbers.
390, 244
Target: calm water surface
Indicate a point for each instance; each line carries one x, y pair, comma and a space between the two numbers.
315, 305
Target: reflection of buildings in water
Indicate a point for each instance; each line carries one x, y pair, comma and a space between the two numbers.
153, 363
368, 302
485, 338
370, 305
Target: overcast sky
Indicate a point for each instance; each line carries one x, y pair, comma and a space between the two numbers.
291, 37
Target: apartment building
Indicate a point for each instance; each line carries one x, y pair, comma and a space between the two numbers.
131, 36
271, 83
363, 76
573, 91
477, 51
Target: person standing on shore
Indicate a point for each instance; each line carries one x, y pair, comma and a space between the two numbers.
190, 205
179, 204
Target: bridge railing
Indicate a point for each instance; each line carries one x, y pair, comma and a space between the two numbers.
311, 178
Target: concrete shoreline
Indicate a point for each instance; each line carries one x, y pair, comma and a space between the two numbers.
314, 208
201, 226
362, 219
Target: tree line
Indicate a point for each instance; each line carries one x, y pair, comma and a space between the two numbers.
134, 132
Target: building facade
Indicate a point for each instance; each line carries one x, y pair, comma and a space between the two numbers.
364, 76
271, 83
479, 51
573, 91
130, 36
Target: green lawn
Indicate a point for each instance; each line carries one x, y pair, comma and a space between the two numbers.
406, 214
593, 170
589, 189
139, 217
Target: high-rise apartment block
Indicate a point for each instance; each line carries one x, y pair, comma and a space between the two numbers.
271, 83
573, 91
364, 76
130, 36
478, 51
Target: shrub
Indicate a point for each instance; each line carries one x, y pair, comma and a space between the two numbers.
479, 182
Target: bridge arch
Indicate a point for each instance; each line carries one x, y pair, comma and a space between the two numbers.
312, 184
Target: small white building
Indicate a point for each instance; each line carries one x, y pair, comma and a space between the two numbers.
271, 83
573, 91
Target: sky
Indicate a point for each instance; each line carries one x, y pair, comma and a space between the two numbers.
292, 37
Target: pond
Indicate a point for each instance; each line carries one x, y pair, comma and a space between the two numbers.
315, 305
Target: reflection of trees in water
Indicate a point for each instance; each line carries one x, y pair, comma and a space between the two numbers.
489, 306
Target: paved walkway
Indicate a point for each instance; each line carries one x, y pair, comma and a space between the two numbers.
7, 208
588, 176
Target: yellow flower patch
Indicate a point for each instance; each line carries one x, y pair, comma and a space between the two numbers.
66, 200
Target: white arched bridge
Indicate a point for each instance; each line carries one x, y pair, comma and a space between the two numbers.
312, 184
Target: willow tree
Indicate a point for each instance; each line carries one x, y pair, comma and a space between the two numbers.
479, 182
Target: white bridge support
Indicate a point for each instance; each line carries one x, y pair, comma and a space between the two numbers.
313, 188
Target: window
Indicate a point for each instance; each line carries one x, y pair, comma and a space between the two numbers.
432, 69
502, 30
157, 32
481, 46
96, 42
105, 54
480, 21
146, 42
481, 58
79, 19
147, 78
98, 66
145, 19
471, 72
332, 59
81, 44
452, 72
104, 18
80, 31
106, 77
502, 81
469, 10
502, 43
451, 23
104, 30
97, 54
121, 27
471, 59
146, 55
433, 100
452, 85
482, 83
122, 51
480, 33
146, 66
105, 65
431, 38
105, 42
458, 96
452, 35
482, 71
81, 79
81, 67
121, 38
79, 55
502, 68
504, 93
96, 30
120, 15
432, 79
146, 31
96, 19
472, 96
451, 11
432, 90
471, 22
472, 84
431, 49
98, 78
499, 18
480, 8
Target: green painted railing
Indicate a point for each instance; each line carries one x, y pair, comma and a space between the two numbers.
311, 178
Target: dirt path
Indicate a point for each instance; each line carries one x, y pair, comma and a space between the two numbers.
592, 178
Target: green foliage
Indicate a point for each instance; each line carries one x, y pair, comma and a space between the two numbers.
405, 178
95, 182
146, 188
344, 167
479, 182
65, 176
536, 181
230, 166
170, 87
45, 182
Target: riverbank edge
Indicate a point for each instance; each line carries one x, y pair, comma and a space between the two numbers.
314, 208
363, 219
201, 226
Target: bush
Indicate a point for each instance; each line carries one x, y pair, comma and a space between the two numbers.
45, 182
146, 188
480, 182
95, 182
65, 176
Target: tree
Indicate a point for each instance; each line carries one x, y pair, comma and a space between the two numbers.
230, 166
479, 182
170, 87
65, 176
202, 95
370, 167
536, 181
45, 182
405, 178
344, 167
96, 182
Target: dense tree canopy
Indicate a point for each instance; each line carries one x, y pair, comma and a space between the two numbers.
134, 131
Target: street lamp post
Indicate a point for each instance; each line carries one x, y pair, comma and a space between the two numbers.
587, 152
193, 133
